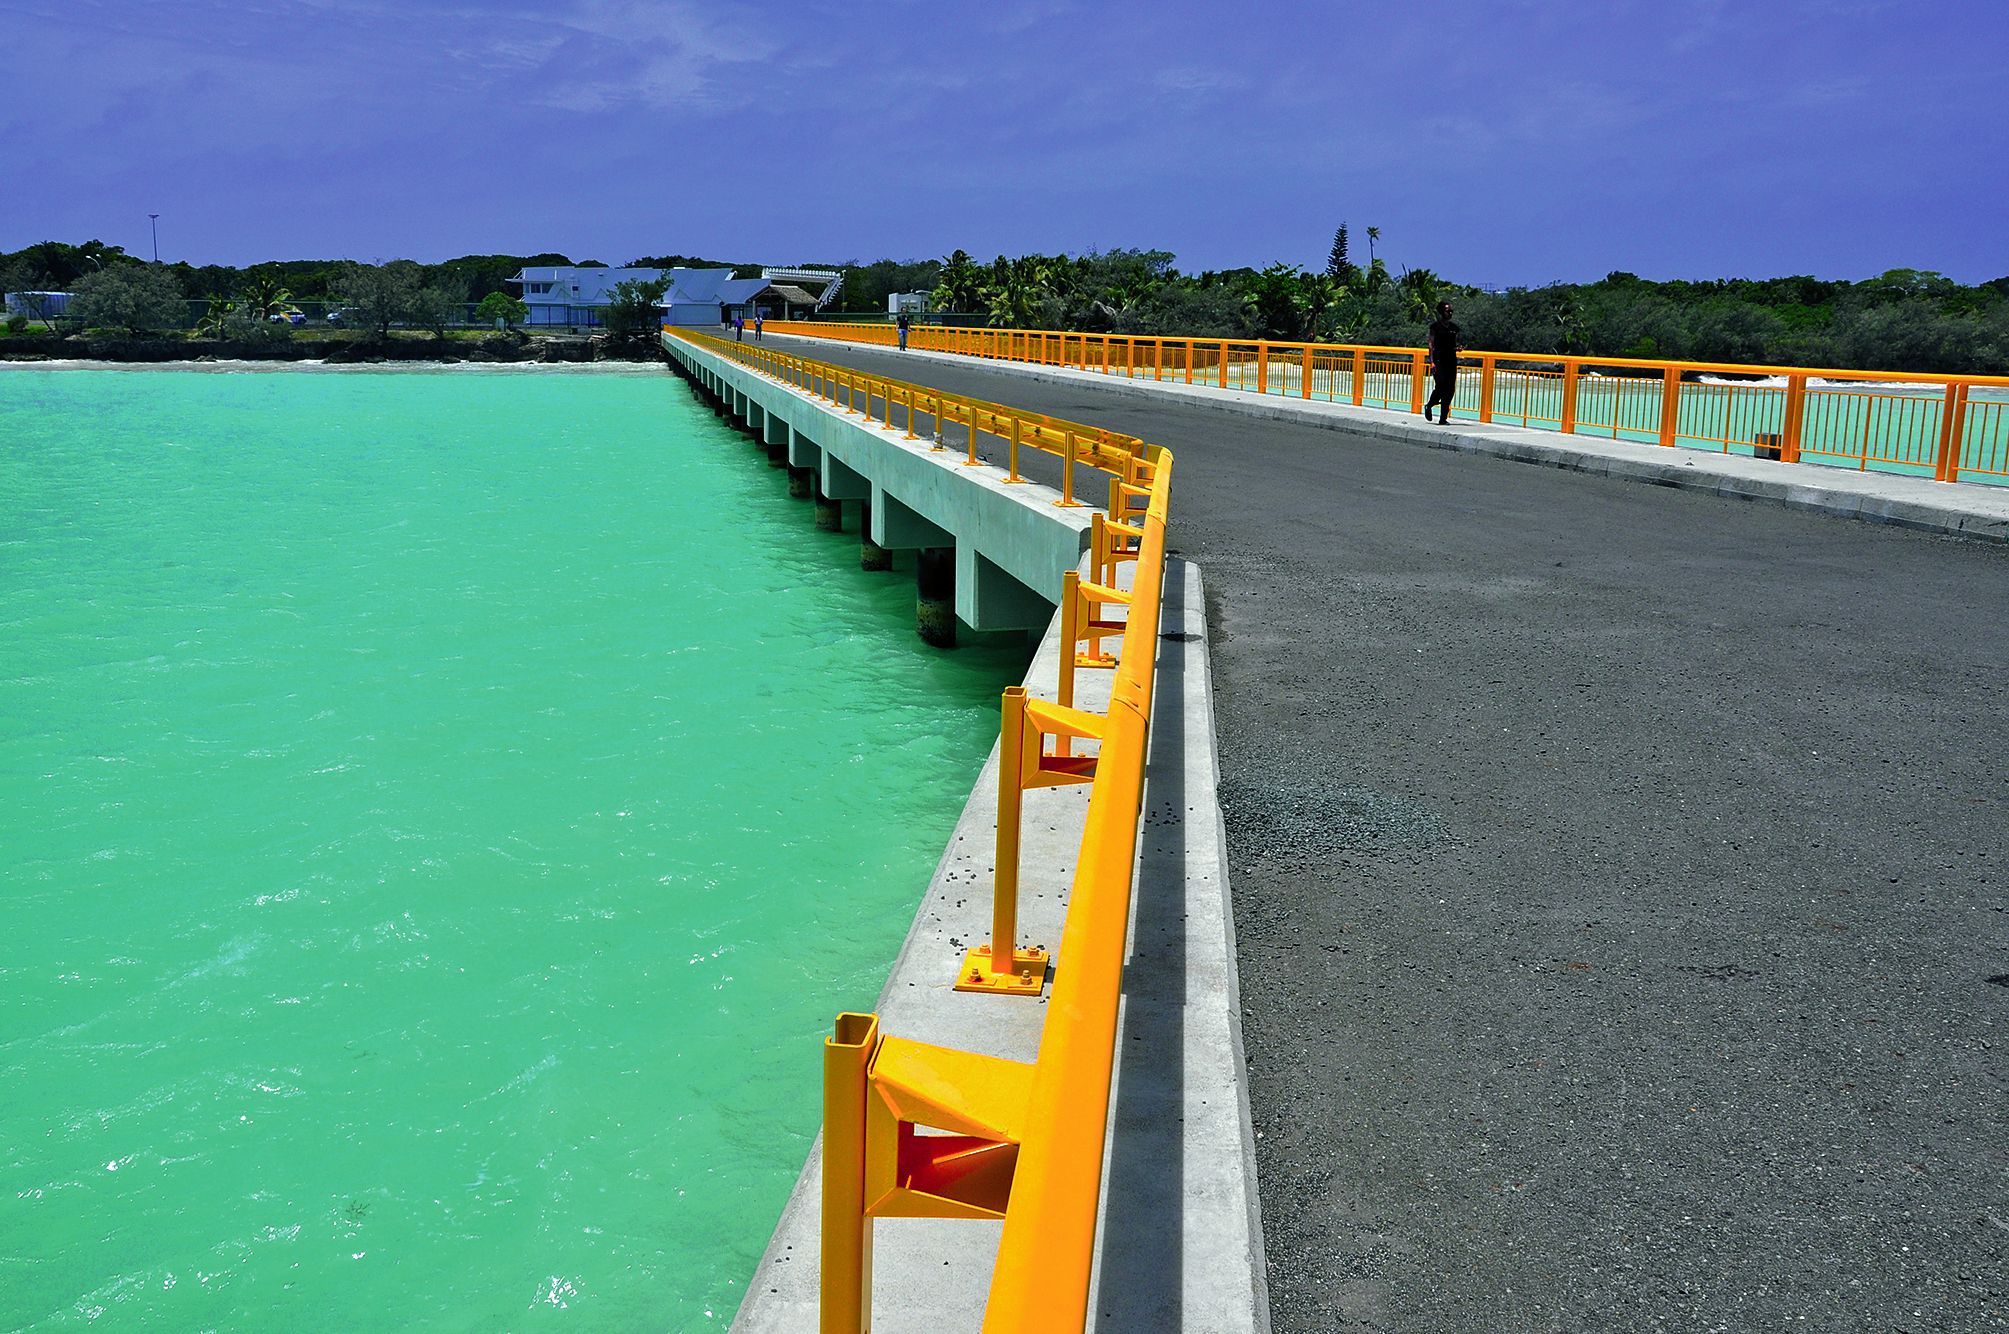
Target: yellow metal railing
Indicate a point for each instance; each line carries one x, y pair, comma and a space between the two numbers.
1905, 422
915, 1130
875, 398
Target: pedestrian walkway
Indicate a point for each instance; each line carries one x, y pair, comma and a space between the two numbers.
1617, 873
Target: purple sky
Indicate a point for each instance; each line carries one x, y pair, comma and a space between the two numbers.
1504, 142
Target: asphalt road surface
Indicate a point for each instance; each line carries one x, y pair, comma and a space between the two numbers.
1619, 881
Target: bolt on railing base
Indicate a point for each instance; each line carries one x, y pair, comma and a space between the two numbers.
1026, 976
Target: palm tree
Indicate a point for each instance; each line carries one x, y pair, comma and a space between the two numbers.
1373, 235
213, 320
1016, 287
1421, 290
962, 284
265, 296
1319, 292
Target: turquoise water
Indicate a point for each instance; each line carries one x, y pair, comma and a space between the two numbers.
442, 811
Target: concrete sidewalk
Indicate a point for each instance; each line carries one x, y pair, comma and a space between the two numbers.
1965, 509
1180, 1239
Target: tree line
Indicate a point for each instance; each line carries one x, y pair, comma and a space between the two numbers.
111, 289
1903, 319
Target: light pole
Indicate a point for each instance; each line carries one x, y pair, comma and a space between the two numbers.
153, 220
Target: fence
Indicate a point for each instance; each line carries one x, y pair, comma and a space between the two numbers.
1015, 1141
1950, 428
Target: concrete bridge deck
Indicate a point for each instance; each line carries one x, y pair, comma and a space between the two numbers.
1619, 880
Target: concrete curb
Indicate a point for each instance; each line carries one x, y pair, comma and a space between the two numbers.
1180, 1245
1970, 510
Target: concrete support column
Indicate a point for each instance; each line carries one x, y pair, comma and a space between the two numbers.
935, 595
871, 556
777, 457
829, 513
801, 483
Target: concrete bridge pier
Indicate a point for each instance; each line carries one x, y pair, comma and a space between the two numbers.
871, 556
801, 482
837, 482
935, 595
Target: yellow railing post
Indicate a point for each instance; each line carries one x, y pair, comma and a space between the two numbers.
910, 412
1485, 387
1224, 363
1568, 424
1070, 632
1067, 499
1023, 724
1189, 361
1416, 380
846, 1275
1793, 430
1952, 432
1016, 426
1262, 367
1359, 376
973, 461
1304, 374
1011, 807
1098, 538
1670, 405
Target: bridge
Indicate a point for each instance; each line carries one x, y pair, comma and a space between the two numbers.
1617, 871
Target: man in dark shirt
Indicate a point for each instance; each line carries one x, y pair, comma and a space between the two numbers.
1443, 364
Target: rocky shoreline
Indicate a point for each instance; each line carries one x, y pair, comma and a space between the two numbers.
336, 351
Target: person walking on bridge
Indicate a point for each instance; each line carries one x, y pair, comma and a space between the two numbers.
1443, 364
903, 324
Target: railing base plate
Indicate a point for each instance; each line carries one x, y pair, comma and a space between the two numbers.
1025, 977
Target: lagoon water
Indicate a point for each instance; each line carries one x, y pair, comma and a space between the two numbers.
439, 813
